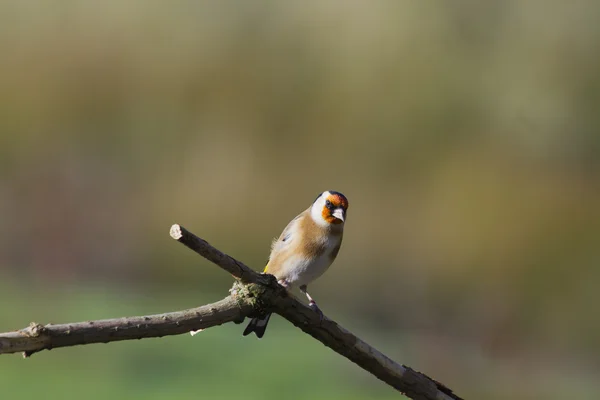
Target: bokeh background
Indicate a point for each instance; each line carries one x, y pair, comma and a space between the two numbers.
465, 135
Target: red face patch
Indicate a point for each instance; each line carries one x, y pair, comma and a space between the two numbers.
338, 200
335, 200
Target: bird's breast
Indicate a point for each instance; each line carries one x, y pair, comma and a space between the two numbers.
309, 264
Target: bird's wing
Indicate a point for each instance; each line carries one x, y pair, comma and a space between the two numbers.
285, 239
287, 236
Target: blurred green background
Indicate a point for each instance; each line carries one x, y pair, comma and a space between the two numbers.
465, 135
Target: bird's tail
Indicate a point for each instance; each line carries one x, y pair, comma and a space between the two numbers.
258, 326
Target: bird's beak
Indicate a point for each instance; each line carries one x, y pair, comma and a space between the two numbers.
339, 213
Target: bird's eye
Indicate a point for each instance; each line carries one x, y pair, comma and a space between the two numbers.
327, 203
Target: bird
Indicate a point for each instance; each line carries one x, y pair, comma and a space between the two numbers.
306, 249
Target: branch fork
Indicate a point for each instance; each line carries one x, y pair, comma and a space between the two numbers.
252, 294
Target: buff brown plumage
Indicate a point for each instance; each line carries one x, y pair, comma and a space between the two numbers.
306, 248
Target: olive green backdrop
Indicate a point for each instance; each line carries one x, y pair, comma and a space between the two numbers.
465, 136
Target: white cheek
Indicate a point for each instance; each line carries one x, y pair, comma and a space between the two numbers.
317, 215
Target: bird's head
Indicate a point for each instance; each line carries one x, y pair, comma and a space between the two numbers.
330, 208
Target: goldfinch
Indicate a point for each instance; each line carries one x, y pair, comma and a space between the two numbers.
305, 249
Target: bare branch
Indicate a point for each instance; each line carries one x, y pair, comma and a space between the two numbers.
236, 268
36, 337
414, 384
254, 294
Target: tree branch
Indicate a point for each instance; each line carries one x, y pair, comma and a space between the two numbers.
37, 337
254, 294
414, 384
